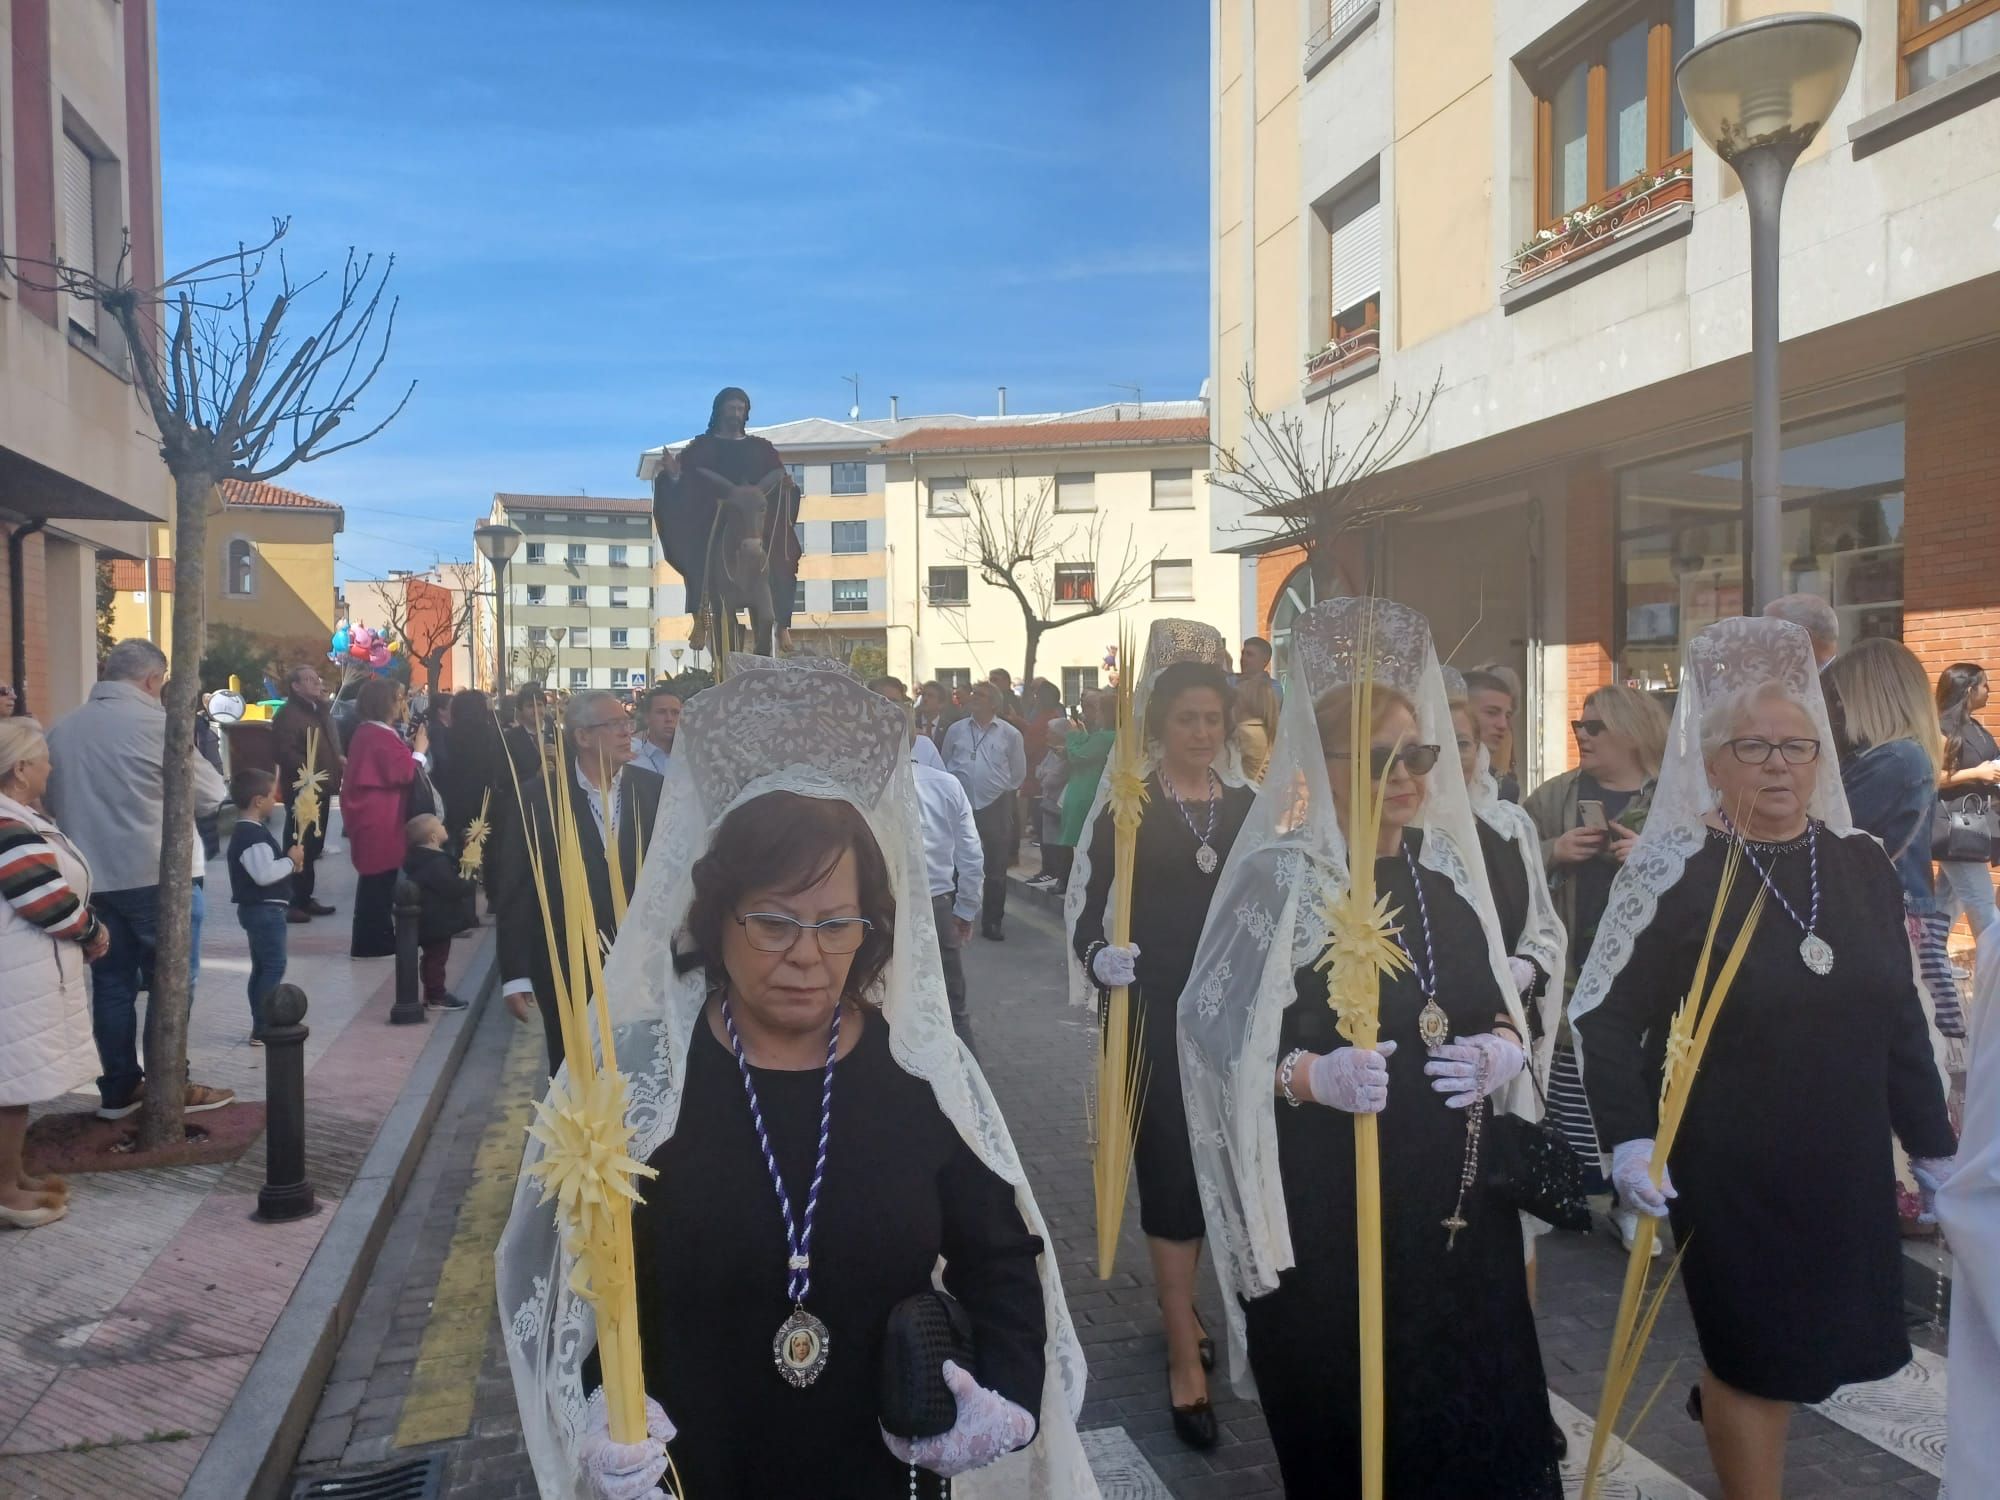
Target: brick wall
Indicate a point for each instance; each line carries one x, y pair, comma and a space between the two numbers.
1589, 566
37, 624
1951, 518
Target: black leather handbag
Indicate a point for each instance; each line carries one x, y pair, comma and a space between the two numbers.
923, 1332
1533, 1171
1964, 828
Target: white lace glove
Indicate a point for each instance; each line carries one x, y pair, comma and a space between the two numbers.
1525, 974
1113, 966
989, 1426
1471, 1067
623, 1471
1352, 1079
1631, 1174
1931, 1172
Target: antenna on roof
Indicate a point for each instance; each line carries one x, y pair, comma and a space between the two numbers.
1138, 398
854, 411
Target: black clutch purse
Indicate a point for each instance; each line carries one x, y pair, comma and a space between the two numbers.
1532, 1170
923, 1332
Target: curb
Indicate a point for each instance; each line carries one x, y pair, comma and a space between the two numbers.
253, 1450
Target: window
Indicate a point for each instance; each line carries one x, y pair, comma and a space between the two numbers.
1173, 579
621, 677
948, 496
798, 596
617, 554
850, 537
1076, 583
538, 635
850, 479
1295, 596
579, 679
618, 595
1173, 489
578, 594
949, 587
576, 553
954, 679
1076, 682
79, 225
537, 593
1607, 111
621, 638
240, 576
1076, 492
850, 596
1683, 540
537, 552
1354, 262
797, 473
799, 532
1943, 37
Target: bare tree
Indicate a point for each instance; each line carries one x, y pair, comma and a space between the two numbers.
232, 396
1315, 492
1015, 540
534, 662
428, 633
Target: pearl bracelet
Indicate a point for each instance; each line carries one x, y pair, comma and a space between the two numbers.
1285, 1070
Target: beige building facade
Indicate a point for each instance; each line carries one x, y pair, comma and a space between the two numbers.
1501, 200
584, 568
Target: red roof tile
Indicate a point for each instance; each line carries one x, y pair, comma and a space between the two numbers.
128, 574
241, 492
1044, 435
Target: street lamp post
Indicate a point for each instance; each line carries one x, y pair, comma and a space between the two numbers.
558, 633
496, 542
1757, 94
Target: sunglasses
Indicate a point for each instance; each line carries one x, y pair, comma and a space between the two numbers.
773, 932
1755, 752
1418, 760
1591, 727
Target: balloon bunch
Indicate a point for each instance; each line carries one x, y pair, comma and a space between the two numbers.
359, 646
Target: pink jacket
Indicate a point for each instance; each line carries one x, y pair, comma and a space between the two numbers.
374, 797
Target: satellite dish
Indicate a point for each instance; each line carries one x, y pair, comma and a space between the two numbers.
853, 413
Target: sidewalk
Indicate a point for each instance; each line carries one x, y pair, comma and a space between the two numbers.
127, 1329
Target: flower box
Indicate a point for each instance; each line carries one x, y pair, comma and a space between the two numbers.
1343, 352
1597, 224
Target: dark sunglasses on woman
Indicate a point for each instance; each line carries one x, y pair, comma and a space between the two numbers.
1591, 727
1418, 760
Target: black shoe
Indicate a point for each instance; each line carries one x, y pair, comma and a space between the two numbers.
1195, 1425
1693, 1402
993, 934
298, 914
445, 1002
1559, 1438
1206, 1346
319, 908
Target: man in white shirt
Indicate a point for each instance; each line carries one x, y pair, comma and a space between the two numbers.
660, 717
989, 758
955, 860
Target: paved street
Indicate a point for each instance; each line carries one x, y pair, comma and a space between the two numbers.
421, 1369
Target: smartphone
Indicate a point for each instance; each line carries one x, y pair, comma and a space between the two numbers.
1592, 815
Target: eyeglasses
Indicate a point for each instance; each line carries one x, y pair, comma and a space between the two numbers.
1591, 727
1416, 759
773, 932
1754, 752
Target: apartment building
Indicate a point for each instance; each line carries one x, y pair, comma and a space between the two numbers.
1115, 489
1503, 199
580, 603
79, 478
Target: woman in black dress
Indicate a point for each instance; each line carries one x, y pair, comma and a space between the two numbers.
1782, 1183
823, 1145
1971, 769
1466, 1409
1190, 821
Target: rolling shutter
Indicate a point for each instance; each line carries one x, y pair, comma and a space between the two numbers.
1357, 247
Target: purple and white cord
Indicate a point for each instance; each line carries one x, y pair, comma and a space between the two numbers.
798, 1237
1425, 972
1810, 926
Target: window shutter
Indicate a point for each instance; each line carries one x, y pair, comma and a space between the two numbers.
79, 225
1357, 247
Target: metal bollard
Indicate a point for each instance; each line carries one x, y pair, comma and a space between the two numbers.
409, 1007
285, 1194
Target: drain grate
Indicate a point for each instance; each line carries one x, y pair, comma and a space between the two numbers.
411, 1479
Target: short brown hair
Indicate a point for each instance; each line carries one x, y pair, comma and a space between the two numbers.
377, 699
785, 842
248, 784
1179, 679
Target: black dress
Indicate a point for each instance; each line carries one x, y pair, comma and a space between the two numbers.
1466, 1402
1787, 1206
901, 1190
1170, 898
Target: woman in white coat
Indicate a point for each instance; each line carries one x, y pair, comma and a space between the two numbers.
48, 936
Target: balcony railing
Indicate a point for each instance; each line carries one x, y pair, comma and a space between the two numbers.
1338, 14
1341, 353
1597, 224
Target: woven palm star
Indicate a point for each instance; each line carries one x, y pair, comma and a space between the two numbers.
1361, 948
1128, 795
584, 1164
305, 803
475, 847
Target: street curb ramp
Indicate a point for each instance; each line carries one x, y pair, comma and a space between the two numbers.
253, 1452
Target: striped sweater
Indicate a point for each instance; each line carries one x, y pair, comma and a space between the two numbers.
33, 884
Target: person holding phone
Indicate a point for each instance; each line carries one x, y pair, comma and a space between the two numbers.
1589, 819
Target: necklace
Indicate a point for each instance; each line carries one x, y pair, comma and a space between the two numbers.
1815, 950
1205, 857
800, 1348
1433, 1025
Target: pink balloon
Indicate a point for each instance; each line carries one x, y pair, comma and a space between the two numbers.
378, 655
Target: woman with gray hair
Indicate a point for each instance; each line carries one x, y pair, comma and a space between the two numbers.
48, 936
1782, 1186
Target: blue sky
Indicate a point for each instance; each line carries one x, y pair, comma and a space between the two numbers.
604, 210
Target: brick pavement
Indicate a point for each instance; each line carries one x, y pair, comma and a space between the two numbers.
1037, 1054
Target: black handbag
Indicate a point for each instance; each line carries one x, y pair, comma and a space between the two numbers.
1963, 829
1532, 1170
923, 1332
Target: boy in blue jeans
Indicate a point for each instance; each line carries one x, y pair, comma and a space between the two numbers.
260, 883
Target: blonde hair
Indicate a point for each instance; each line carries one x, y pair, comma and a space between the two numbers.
1636, 715
417, 829
1333, 712
1886, 695
20, 740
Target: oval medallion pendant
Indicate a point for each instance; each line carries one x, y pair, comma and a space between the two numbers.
1206, 859
1818, 954
800, 1349
1433, 1025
